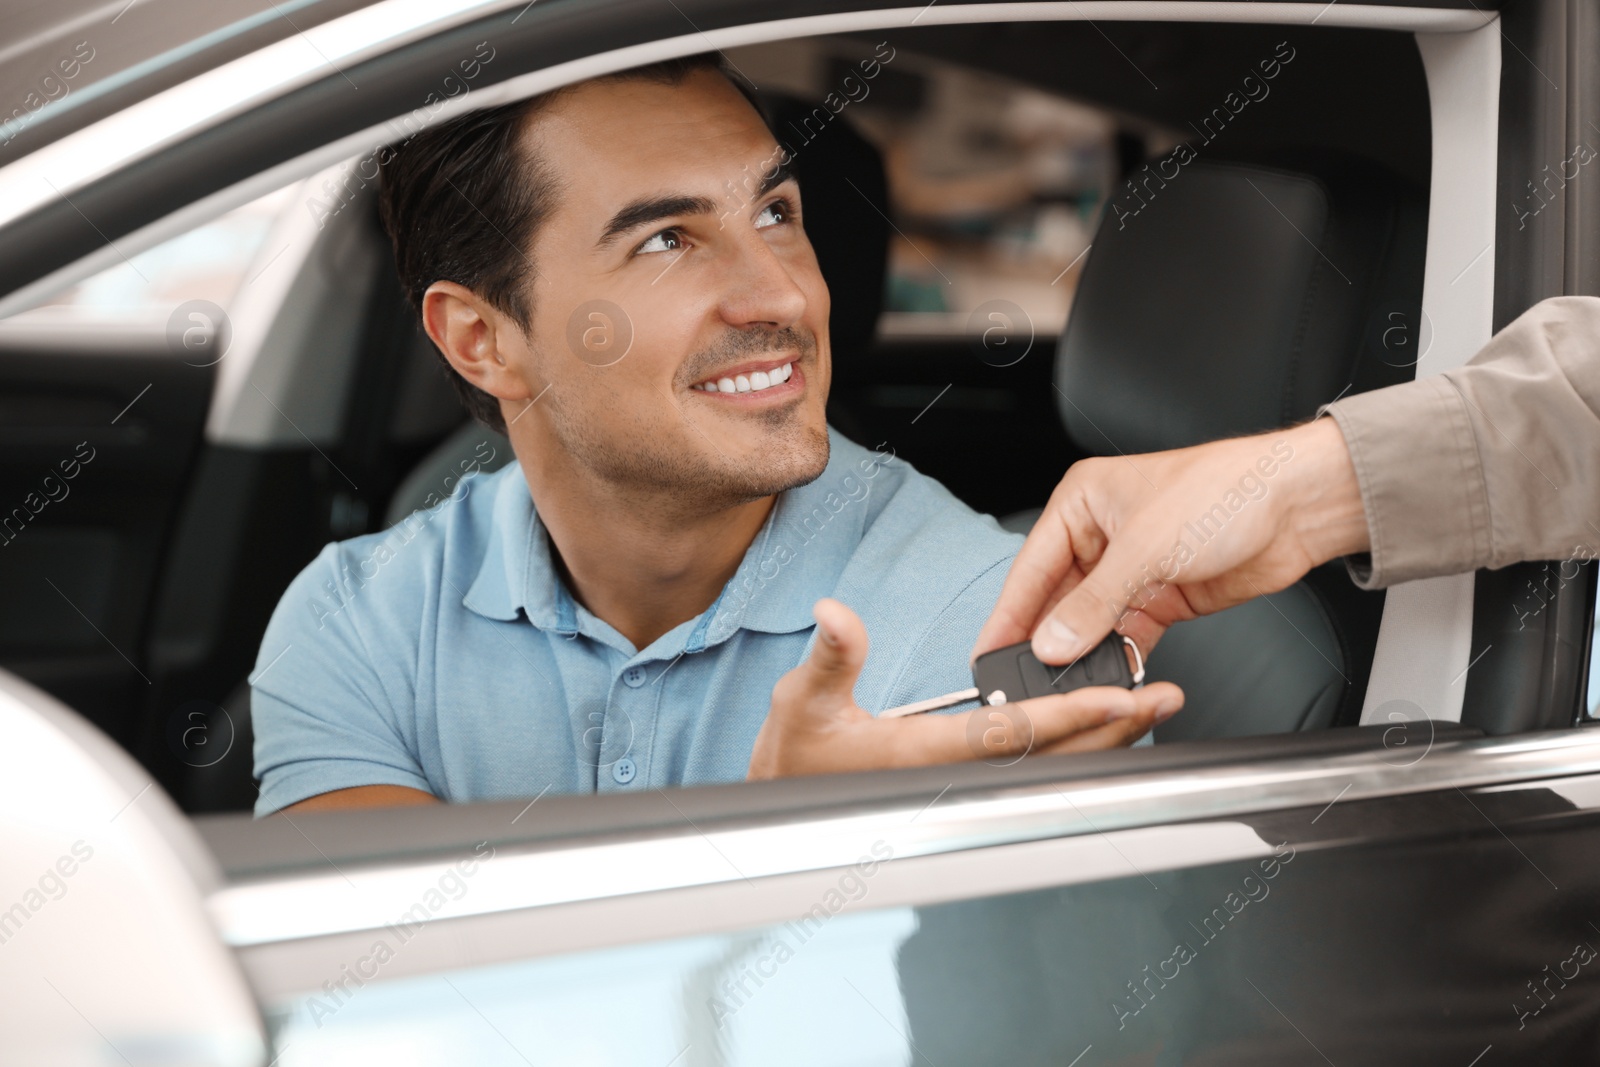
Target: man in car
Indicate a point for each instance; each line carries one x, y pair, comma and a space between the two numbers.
683, 544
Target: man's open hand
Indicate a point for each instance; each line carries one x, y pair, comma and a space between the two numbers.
815, 727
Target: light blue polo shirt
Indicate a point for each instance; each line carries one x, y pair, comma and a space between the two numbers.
445, 653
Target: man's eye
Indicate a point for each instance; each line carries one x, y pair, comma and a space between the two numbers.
665, 241
777, 211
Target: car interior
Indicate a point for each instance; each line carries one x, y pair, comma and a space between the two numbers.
1258, 283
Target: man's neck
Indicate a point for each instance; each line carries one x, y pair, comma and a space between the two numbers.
643, 566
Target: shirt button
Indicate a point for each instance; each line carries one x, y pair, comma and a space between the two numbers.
634, 676
623, 771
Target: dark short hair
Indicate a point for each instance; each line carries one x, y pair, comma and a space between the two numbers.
455, 196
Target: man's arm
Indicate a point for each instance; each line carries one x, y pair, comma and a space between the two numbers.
363, 796
328, 718
1493, 463
1487, 465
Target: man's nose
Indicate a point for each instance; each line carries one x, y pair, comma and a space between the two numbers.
760, 286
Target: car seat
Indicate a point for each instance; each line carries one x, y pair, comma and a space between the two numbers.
1229, 298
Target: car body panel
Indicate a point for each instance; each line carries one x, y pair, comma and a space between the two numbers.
1019, 913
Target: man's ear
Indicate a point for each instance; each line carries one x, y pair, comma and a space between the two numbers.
474, 338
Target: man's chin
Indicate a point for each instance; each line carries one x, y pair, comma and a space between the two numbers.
789, 461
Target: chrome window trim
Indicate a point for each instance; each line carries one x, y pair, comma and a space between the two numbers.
251, 913
183, 111
282, 970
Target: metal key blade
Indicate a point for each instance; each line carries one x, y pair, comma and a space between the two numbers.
931, 704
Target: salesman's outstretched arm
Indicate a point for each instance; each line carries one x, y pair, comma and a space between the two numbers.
1483, 466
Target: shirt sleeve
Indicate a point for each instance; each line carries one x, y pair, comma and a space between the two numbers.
1495, 462
323, 717
939, 661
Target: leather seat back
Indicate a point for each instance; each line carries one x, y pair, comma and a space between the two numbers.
1238, 299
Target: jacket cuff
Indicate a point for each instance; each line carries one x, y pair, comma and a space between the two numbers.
1422, 482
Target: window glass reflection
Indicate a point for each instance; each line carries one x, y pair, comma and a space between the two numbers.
809, 993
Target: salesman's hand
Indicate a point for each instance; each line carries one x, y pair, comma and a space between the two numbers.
815, 727
1137, 543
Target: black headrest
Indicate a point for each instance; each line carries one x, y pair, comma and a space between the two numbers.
846, 205
1230, 298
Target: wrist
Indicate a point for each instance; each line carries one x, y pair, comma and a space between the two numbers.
1326, 513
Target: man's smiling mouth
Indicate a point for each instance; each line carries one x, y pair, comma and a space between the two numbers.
749, 381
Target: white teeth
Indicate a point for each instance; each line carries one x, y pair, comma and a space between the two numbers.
751, 383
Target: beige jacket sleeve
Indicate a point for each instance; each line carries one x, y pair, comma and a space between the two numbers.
1492, 463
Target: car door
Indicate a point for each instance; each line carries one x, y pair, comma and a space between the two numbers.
1376, 895
1385, 895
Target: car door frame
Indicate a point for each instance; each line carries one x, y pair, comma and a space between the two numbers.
141, 188
982, 830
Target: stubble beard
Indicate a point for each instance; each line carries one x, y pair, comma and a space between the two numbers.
675, 466
681, 470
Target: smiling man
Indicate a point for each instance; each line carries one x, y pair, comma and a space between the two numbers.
613, 611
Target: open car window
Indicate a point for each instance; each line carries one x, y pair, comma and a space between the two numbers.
994, 180
210, 263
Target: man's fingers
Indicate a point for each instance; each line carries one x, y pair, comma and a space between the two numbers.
1151, 706
1042, 564
1004, 731
1118, 733
835, 661
841, 638
1083, 720
1099, 716
1127, 577
813, 706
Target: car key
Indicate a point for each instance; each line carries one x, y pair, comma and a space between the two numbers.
1015, 673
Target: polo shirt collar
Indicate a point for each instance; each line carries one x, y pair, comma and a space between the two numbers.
516, 573
795, 559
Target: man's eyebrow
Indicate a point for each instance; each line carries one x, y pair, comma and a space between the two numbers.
782, 174
649, 209
652, 208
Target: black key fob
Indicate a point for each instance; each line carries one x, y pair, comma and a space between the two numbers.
1015, 673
